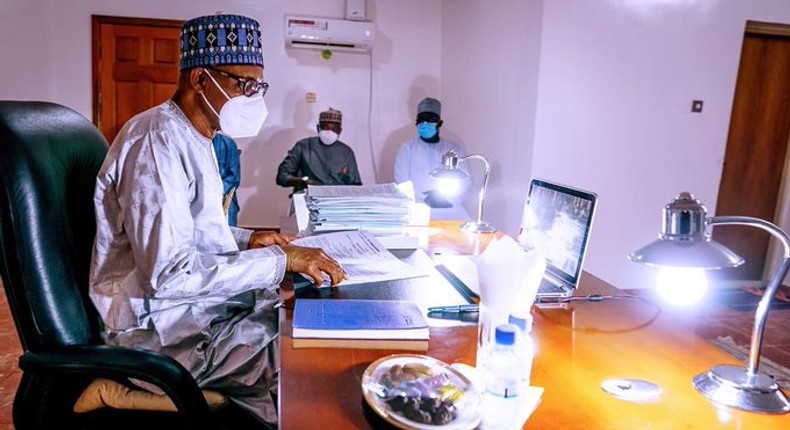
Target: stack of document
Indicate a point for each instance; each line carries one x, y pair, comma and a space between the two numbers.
380, 209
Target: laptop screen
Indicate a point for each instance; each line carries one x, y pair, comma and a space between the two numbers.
556, 222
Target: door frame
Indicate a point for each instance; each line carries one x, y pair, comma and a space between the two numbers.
96, 50
771, 30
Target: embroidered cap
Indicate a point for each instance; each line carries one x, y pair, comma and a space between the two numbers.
219, 40
430, 105
331, 115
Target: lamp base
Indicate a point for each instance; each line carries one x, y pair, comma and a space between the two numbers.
478, 227
733, 386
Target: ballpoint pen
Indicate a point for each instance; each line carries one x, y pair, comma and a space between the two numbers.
455, 308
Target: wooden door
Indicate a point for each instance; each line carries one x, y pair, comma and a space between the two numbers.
756, 146
135, 67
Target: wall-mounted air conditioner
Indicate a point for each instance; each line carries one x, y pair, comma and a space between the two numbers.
326, 33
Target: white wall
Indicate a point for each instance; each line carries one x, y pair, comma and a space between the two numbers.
616, 82
592, 94
490, 57
50, 59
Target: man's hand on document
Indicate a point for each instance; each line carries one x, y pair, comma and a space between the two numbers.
260, 239
313, 262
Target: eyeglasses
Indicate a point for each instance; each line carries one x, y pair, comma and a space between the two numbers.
249, 87
329, 126
427, 117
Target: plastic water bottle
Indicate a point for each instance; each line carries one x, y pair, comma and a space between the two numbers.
504, 381
521, 320
524, 345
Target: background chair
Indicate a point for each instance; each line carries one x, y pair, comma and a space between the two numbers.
49, 157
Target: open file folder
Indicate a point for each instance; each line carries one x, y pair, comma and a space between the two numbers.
362, 256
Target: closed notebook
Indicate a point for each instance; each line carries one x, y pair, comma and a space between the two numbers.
368, 324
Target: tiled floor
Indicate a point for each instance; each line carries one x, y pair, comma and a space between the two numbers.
9, 355
710, 321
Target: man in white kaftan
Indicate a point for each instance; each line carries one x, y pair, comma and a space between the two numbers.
168, 273
417, 158
422, 154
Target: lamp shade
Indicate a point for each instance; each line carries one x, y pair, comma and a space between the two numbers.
704, 254
684, 240
448, 179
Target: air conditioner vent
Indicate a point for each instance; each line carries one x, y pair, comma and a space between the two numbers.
322, 33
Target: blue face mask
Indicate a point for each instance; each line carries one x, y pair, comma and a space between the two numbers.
427, 130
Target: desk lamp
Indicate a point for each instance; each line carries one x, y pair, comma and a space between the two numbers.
452, 181
685, 243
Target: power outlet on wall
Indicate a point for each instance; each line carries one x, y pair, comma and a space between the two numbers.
355, 10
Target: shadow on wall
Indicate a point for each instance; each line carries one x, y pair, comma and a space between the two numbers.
263, 202
357, 134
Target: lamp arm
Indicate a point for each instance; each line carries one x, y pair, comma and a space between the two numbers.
773, 285
481, 195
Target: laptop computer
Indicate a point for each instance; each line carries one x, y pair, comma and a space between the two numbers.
556, 222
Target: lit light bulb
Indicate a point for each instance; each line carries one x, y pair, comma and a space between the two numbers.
450, 187
681, 286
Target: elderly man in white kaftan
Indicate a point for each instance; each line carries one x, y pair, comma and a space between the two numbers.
168, 273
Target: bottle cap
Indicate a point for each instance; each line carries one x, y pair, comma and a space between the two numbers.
506, 334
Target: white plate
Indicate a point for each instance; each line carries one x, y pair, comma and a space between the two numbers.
634, 390
467, 405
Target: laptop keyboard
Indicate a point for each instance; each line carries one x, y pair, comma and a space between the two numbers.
547, 287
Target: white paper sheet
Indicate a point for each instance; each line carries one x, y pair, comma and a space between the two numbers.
362, 256
300, 211
339, 192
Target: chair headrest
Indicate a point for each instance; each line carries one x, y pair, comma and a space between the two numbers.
49, 158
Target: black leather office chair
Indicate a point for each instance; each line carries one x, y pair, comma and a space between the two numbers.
49, 157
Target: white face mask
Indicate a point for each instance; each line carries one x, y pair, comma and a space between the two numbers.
241, 116
327, 137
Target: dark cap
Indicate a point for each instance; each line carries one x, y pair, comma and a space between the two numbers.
430, 105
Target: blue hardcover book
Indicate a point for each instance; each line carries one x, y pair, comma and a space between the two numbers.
378, 324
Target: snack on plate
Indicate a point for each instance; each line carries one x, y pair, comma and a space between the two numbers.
416, 392
419, 392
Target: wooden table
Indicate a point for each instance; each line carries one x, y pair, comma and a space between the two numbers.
578, 346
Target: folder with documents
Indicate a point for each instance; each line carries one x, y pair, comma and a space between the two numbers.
368, 324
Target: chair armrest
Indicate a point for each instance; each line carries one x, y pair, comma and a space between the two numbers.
107, 361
